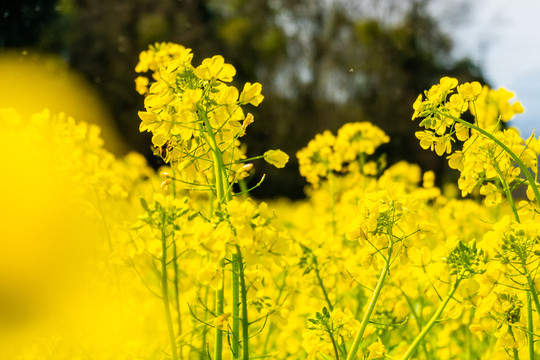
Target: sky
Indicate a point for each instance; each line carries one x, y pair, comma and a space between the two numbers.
504, 39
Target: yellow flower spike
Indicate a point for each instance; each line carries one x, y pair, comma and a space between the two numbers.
215, 69
251, 94
276, 157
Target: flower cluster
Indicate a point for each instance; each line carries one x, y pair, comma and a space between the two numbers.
490, 159
192, 112
327, 154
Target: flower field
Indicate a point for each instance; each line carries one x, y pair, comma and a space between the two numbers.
102, 257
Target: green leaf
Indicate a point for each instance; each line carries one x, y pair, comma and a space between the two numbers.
144, 204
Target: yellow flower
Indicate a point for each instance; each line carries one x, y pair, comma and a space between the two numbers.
462, 132
215, 69
428, 180
276, 157
418, 107
221, 321
470, 91
455, 161
251, 94
377, 350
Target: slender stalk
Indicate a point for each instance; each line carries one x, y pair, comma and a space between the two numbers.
507, 190
177, 290
431, 322
532, 289
514, 350
321, 285
235, 307
176, 275
336, 352
165, 287
530, 327
372, 302
218, 342
417, 319
203, 353
245, 320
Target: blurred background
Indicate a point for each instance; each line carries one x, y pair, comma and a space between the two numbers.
321, 62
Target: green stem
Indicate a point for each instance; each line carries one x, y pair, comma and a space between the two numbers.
516, 158
218, 343
245, 320
417, 319
177, 290
372, 302
530, 327
203, 353
224, 194
219, 167
532, 289
235, 307
336, 352
507, 190
514, 350
321, 285
176, 273
431, 322
165, 286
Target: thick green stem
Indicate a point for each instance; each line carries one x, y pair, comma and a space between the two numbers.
431, 322
222, 188
245, 320
165, 287
223, 194
372, 302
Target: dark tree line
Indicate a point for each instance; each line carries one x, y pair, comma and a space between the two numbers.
321, 63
